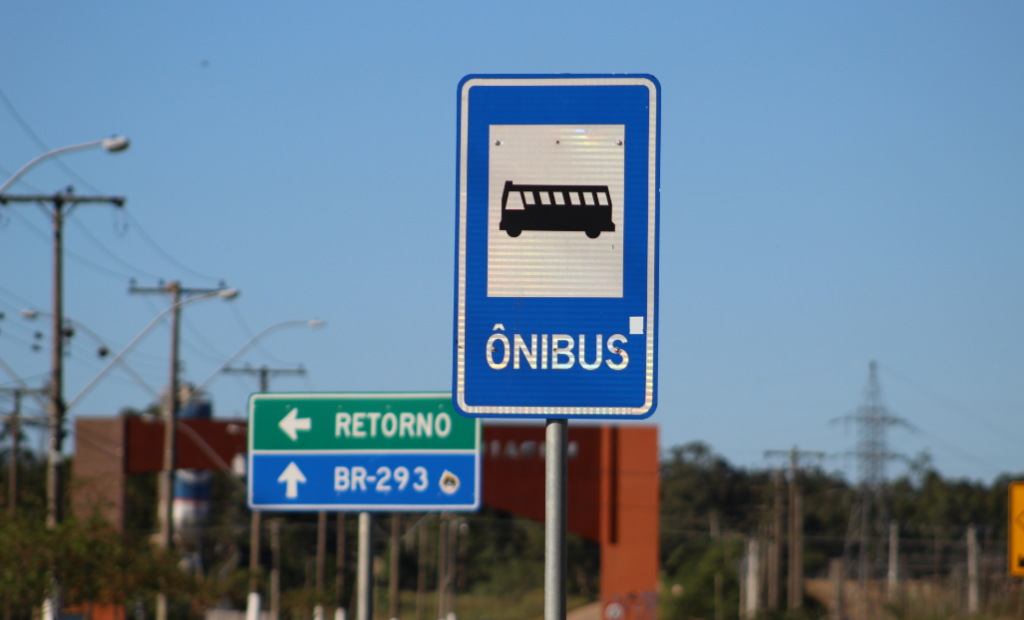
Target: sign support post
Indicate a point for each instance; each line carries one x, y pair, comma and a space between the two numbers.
555, 523
364, 569
556, 275
365, 452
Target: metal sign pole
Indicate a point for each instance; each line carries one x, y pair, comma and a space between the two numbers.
364, 570
555, 500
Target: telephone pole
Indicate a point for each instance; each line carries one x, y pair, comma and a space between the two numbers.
62, 204
253, 604
795, 591
165, 502
775, 549
14, 421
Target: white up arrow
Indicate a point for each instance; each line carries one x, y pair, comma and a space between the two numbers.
292, 476
292, 423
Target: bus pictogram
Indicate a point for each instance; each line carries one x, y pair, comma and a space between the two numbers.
586, 208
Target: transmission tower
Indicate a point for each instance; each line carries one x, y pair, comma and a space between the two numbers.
869, 512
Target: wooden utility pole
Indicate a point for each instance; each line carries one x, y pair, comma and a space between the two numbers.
442, 569
63, 203
973, 589
321, 549
421, 578
836, 577
165, 511
796, 548
453, 562
165, 501
893, 576
14, 421
775, 550
393, 602
795, 591
264, 373
15, 430
339, 561
275, 570
751, 583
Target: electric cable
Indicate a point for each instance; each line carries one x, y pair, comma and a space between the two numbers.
28, 303
39, 142
85, 261
42, 145
954, 407
251, 334
217, 354
149, 240
110, 252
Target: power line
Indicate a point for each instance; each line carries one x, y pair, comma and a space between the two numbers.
959, 452
152, 243
249, 333
35, 346
217, 355
110, 252
22, 181
85, 261
956, 408
18, 297
39, 142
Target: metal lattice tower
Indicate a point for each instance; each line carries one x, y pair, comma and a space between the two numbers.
873, 419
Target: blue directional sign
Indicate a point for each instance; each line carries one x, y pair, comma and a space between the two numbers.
556, 275
365, 452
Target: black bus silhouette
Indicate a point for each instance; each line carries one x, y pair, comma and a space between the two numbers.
557, 207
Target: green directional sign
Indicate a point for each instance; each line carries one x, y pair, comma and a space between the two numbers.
365, 451
358, 422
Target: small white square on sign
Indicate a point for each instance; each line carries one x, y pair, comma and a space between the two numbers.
636, 325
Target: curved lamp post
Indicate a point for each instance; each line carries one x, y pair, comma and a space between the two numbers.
103, 350
312, 323
253, 602
227, 293
113, 144
57, 410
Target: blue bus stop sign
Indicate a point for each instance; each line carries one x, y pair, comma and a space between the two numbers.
556, 275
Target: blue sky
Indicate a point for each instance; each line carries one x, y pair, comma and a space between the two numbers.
841, 182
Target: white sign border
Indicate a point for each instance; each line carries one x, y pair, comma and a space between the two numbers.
250, 453
652, 202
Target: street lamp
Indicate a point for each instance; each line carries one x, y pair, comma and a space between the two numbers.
102, 349
227, 293
57, 408
253, 600
312, 323
113, 144
167, 473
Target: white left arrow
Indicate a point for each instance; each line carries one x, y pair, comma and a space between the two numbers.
292, 476
291, 424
